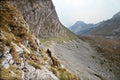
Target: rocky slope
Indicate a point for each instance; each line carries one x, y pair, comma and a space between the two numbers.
85, 59
109, 49
109, 28
41, 16
22, 57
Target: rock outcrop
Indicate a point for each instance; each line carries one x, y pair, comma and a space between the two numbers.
22, 57
41, 16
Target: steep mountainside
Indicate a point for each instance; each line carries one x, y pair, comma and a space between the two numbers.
109, 28
81, 28
41, 16
117, 15
22, 57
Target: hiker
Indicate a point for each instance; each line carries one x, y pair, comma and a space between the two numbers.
49, 53
53, 59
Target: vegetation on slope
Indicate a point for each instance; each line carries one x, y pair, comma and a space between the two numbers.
60, 72
13, 32
12, 73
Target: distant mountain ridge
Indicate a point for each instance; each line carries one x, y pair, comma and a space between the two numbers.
116, 15
28, 24
109, 28
81, 27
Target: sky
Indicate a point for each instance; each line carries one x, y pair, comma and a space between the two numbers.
89, 11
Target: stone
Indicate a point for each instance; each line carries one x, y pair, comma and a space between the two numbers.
7, 59
39, 13
18, 49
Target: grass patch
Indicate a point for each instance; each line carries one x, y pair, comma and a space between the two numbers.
2, 48
56, 39
11, 22
56, 68
43, 54
15, 55
63, 74
33, 60
32, 63
55, 61
60, 72
5, 74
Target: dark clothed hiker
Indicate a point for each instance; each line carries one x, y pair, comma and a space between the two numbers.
49, 53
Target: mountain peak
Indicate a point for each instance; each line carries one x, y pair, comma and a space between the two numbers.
81, 27
80, 23
116, 15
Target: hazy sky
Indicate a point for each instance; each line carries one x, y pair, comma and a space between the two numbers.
89, 11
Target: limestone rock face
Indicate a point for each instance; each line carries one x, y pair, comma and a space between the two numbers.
41, 17
20, 56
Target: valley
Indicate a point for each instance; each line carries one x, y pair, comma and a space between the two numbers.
29, 27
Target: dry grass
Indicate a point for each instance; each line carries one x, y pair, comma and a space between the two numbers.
11, 22
33, 60
2, 48
55, 61
15, 55
13, 27
5, 74
60, 72
32, 44
56, 68
43, 54
63, 74
32, 63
